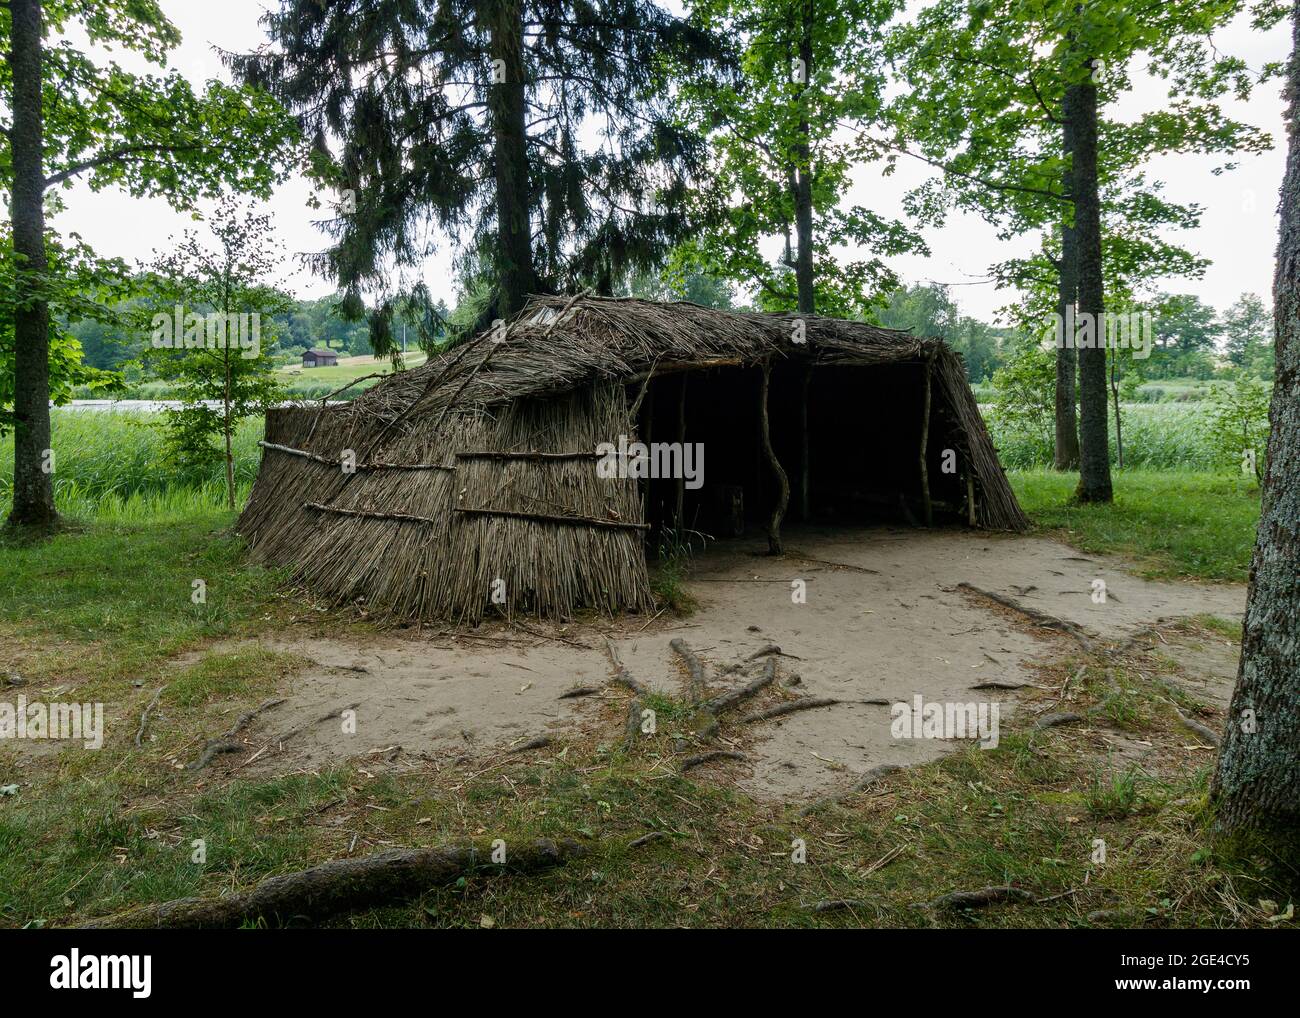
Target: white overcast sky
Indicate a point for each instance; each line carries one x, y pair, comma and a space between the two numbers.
1238, 230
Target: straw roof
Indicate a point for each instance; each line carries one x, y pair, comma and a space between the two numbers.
588, 339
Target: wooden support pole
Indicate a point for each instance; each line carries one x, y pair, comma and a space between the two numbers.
804, 446
926, 504
646, 427
970, 496
679, 499
774, 546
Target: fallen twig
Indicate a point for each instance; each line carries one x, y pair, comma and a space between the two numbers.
144, 718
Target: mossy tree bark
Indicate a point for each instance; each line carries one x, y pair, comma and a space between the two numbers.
1258, 772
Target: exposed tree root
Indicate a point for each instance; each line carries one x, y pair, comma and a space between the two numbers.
861, 785
745, 692
1053, 720
835, 905
338, 886
983, 897
621, 675
645, 839
1204, 731
535, 743
224, 743
577, 691
702, 758
693, 664
789, 707
1041, 619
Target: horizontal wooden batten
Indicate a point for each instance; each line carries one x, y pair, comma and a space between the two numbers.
576, 521
361, 467
369, 514
539, 456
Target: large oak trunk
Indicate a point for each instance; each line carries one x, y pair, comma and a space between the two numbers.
33, 479
1094, 455
1255, 785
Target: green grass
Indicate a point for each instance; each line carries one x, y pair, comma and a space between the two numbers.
114, 599
1169, 523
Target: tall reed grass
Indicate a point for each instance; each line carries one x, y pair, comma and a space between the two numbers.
115, 466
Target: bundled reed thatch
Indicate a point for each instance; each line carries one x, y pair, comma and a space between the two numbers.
473, 483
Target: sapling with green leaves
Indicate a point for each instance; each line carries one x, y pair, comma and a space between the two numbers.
786, 139
211, 332
1235, 423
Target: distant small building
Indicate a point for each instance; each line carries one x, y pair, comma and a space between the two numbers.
319, 358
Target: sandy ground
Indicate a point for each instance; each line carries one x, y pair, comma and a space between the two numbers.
882, 620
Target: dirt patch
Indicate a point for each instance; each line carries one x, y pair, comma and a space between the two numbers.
880, 619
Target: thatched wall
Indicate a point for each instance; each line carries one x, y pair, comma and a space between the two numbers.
423, 528
448, 568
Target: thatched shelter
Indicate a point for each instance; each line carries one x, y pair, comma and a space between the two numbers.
474, 484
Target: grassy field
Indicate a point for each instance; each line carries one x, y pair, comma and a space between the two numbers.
1170, 524
347, 369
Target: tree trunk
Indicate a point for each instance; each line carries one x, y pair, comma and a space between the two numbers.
1094, 454
33, 506
516, 277
1067, 421
226, 428
1254, 789
802, 180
